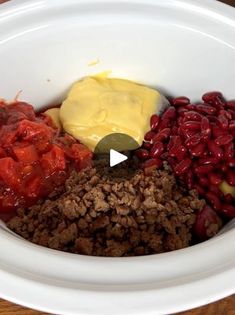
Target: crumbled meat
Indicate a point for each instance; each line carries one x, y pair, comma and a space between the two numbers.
84, 245
103, 211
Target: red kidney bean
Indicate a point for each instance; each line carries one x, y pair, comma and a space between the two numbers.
228, 210
154, 122
147, 145
215, 179
170, 113
231, 125
229, 150
174, 141
191, 125
164, 155
205, 154
165, 123
182, 151
208, 160
193, 115
188, 125
195, 164
177, 151
215, 149
151, 164
226, 113
199, 189
189, 179
180, 121
223, 140
181, 111
198, 150
162, 135
232, 112
231, 178
214, 120
174, 130
215, 189
223, 168
213, 200
223, 121
172, 162
205, 128
149, 136
205, 109
190, 107
182, 167
203, 169
192, 141
180, 101
157, 149
217, 131
231, 162
228, 198
205, 218
203, 181
231, 104
142, 154
211, 96
186, 133
218, 103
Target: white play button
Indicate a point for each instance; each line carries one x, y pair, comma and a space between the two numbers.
115, 157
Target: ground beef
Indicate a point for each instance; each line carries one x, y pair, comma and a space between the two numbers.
103, 211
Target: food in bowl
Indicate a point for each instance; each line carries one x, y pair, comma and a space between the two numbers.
181, 191
35, 156
102, 212
99, 106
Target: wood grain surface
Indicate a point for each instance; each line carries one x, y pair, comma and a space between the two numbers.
222, 307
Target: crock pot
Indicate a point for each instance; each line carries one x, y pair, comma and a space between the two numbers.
182, 47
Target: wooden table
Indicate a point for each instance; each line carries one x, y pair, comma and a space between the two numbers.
223, 307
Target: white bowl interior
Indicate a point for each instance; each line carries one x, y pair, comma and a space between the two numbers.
180, 47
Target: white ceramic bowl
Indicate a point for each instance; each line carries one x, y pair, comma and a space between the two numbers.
182, 47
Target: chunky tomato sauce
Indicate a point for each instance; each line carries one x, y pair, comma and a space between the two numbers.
35, 156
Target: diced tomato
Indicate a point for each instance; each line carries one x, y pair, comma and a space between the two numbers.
8, 135
54, 160
47, 120
66, 141
31, 131
15, 117
35, 157
82, 155
83, 164
33, 187
8, 201
9, 173
27, 170
3, 115
20, 110
38, 133
81, 152
2, 153
56, 179
26, 154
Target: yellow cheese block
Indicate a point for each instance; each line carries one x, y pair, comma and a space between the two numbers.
99, 106
54, 113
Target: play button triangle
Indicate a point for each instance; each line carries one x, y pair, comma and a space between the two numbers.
115, 157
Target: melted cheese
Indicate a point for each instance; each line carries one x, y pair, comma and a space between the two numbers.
98, 106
